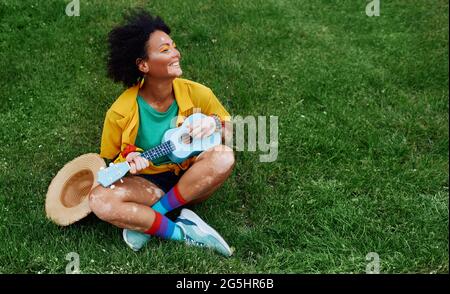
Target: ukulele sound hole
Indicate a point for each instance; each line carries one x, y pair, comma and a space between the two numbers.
186, 139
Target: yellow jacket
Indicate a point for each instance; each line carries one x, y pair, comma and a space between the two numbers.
122, 120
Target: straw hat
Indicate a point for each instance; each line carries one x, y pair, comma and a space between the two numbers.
67, 198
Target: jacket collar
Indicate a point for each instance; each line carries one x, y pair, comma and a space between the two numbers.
184, 101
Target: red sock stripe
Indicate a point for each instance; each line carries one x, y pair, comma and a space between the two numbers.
156, 223
178, 195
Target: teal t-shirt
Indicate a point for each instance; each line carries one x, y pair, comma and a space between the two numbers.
152, 126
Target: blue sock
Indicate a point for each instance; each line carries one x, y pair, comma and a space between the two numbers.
159, 208
177, 234
165, 228
169, 201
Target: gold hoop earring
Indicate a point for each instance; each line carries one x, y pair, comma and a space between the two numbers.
141, 82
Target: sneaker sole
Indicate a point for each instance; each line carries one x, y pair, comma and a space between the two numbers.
126, 241
190, 215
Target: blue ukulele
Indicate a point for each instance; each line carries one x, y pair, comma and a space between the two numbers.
176, 143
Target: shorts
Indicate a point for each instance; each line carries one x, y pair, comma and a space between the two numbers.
165, 181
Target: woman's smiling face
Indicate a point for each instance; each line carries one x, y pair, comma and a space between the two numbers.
163, 59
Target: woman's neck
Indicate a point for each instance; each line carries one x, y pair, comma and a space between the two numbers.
157, 91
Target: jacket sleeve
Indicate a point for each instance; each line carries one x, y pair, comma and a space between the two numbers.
213, 106
111, 136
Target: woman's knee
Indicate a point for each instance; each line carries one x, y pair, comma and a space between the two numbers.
223, 159
103, 203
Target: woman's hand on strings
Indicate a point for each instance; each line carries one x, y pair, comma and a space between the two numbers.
201, 128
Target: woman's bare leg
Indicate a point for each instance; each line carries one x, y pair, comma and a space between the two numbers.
128, 204
206, 174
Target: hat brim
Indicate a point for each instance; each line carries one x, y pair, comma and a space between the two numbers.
67, 199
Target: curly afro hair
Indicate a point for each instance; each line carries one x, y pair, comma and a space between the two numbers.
129, 42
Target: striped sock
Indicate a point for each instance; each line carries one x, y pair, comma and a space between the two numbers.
165, 228
170, 201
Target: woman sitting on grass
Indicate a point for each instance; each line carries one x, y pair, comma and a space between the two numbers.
145, 59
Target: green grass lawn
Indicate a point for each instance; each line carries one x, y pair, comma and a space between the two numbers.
363, 133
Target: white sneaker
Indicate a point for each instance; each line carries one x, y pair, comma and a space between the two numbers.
198, 233
134, 239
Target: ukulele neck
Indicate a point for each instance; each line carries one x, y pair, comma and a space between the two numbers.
159, 151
